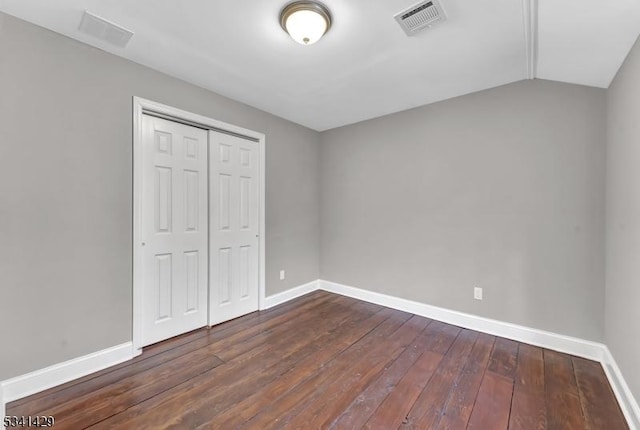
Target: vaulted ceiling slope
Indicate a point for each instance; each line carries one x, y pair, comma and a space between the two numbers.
365, 66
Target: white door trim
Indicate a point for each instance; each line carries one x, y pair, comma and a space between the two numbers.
141, 106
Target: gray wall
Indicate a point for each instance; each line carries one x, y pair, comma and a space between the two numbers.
502, 189
65, 182
623, 219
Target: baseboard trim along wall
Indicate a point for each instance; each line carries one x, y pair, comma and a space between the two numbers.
290, 294
43, 379
40, 380
627, 401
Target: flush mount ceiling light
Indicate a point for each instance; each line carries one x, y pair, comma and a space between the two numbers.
305, 21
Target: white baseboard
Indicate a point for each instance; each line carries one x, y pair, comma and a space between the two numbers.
557, 342
290, 294
40, 380
627, 401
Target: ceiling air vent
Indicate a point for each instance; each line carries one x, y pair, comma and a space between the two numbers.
106, 30
419, 16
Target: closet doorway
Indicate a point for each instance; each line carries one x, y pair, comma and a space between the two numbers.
198, 187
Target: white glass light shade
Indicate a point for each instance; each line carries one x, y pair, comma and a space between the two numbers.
306, 26
306, 22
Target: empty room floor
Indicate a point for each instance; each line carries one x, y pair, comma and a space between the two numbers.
328, 361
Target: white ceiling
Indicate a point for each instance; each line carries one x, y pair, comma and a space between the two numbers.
365, 66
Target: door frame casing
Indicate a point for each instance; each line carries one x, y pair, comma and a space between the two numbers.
140, 107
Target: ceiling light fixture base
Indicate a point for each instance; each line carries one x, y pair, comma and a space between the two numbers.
305, 21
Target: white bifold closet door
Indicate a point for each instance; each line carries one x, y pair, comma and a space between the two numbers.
234, 229
174, 228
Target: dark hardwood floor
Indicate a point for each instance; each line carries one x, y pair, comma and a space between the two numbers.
327, 361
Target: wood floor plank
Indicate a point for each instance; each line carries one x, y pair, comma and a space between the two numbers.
363, 406
205, 411
326, 403
491, 410
98, 410
272, 415
224, 383
32, 405
113, 391
115, 398
530, 369
599, 404
227, 351
346, 369
278, 324
202, 412
260, 319
504, 358
328, 361
564, 411
392, 411
463, 394
528, 407
217, 341
42, 403
442, 337
429, 405
262, 397
165, 351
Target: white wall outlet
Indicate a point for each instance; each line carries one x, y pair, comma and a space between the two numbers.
477, 293
281, 275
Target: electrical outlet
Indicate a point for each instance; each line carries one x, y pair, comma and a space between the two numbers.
282, 275
477, 293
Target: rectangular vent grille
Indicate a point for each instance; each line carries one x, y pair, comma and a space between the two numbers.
109, 32
419, 16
